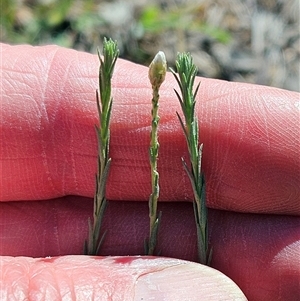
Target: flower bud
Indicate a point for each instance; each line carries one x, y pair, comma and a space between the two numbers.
158, 69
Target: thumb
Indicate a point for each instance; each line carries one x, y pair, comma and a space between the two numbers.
112, 278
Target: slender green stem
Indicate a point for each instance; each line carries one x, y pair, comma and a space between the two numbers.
157, 72
187, 71
104, 106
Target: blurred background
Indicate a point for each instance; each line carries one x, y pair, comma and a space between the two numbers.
255, 41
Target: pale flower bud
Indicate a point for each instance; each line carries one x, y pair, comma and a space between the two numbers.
158, 69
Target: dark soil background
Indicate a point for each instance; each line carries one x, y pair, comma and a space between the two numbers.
255, 41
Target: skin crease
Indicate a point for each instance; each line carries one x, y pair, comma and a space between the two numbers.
251, 163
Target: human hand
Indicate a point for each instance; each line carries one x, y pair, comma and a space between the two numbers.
48, 150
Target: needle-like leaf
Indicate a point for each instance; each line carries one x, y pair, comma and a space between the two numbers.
185, 78
104, 106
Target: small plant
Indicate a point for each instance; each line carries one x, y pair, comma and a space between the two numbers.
104, 105
187, 72
157, 73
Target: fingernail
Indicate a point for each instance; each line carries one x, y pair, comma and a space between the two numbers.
183, 280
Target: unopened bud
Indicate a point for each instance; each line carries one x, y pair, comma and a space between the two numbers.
158, 69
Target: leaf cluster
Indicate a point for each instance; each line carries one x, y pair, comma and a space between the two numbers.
185, 77
104, 106
110, 53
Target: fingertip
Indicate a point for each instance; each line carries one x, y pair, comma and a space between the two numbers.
186, 281
113, 278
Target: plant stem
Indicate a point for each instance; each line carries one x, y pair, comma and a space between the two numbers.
157, 72
187, 72
104, 106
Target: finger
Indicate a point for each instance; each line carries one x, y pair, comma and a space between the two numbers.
112, 278
258, 252
250, 134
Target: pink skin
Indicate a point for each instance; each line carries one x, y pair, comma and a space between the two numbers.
48, 150
120, 279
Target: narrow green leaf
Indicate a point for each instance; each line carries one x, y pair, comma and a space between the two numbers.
185, 78
104, 107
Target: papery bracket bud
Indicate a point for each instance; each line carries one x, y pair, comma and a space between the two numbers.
158, 69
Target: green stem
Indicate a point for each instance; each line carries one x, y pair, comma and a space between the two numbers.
153, 150
104, 106
186, 76
157, 71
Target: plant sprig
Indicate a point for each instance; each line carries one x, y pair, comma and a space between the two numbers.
104, 106
157, 73
187, 72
